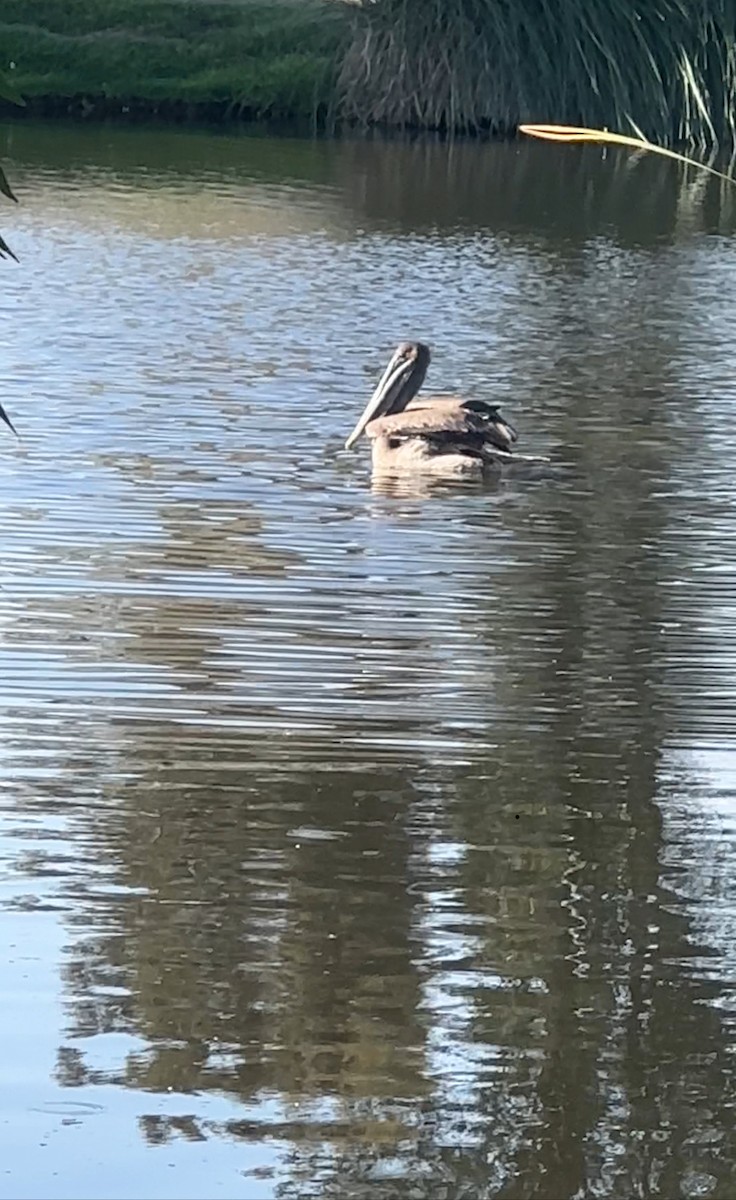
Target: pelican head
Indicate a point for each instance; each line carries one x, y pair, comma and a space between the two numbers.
398, 385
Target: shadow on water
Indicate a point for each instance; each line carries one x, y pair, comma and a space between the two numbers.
366, 841
531, 191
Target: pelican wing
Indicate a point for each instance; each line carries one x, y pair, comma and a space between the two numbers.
447, 418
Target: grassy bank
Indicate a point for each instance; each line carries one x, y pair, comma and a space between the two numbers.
255, 58
668, 66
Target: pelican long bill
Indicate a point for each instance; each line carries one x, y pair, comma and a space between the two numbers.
387, 389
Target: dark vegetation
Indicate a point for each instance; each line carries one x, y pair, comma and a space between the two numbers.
667, 66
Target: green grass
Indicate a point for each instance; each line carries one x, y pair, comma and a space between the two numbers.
667, 66
271, 58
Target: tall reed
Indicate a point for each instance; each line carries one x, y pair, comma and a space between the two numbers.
666, 68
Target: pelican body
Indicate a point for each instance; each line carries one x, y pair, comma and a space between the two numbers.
436, 435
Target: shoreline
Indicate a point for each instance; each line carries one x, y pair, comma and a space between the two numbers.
224, 115
131, 110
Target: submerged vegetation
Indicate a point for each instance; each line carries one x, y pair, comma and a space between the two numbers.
666, 68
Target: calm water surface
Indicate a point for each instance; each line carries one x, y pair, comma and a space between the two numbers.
358, 842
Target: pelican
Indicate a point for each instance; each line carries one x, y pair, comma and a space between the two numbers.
437, 435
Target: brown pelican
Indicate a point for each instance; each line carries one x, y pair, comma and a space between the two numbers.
438, 435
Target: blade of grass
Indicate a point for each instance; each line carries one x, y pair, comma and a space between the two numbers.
580, 133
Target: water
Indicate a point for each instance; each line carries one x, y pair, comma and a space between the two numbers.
356, 841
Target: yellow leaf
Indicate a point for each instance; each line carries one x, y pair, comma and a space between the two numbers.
580, 133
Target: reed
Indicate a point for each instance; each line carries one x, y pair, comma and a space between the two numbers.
665, 69
605, 137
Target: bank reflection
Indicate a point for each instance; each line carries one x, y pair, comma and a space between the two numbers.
537, 193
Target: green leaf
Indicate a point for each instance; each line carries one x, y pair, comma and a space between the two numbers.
9, 92
7, 420
5, 251
5, 187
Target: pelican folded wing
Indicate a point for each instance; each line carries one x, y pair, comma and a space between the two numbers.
444, 418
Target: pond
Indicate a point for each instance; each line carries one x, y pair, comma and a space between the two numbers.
364, 840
